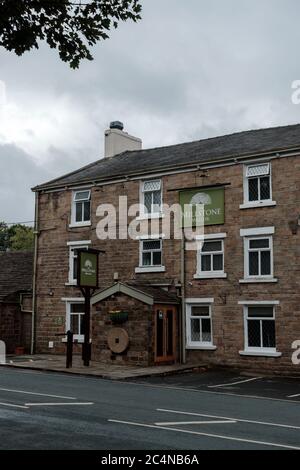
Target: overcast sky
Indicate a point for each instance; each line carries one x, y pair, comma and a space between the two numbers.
189, 70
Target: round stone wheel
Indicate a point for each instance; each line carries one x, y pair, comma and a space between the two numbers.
117, 340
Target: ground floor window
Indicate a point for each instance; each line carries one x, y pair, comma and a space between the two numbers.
199, 325
260, 332
75, 319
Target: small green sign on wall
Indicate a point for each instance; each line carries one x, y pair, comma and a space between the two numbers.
87, 268
210, 202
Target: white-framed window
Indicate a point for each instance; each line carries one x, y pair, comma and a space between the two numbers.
199, 333
150, 253
258, 255
211, 258
260, 334
151, 198
81, 207
73, 254
257, 185
75, 319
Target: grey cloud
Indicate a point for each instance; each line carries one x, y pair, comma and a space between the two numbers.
188, 70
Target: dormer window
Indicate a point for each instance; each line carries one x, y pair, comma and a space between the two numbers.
81, 207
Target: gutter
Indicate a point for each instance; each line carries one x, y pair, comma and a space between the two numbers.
33, 316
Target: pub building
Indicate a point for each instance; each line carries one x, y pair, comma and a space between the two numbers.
235, 301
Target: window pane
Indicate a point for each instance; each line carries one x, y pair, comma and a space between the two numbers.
218, 262
206, 330
200, 311
77, 308
151, 245
265, 260
265, 190
156, 201
154, 185
195, 329
253, 263
254, 334
87, 211
263, 312
261, 243
258, 170
253, 189
146, 259
205, 263
211, 246
82, 196
79, 212
157, 258
74, 326
268, 327
148, 202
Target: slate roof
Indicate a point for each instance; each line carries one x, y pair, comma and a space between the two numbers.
159, 295
16, 271
199, 152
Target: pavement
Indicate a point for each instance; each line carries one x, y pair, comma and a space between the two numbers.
199, 411
57, 363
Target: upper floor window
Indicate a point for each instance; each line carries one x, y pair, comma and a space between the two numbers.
258, 254
73, 256
81, 208
151, 198
258, 185
151, 253
259, 257
210, 258
151, 256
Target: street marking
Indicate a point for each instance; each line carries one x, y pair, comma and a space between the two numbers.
234, 383
59, 404
195, 422
35, 393
12, 405
263, 423
294, 396
217, 436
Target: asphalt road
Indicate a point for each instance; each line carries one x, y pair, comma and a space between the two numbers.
56, 411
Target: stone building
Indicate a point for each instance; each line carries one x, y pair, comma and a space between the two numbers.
16, 271
233, 302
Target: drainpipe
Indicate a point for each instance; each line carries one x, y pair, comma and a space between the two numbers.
36, 232
182, 280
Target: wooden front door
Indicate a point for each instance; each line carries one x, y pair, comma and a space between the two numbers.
165, 333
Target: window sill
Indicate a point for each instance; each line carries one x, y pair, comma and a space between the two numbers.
261, 353
153, 269
202, 348
150, 216
71, 284
258, 280
81, 224
252, 205
210, 276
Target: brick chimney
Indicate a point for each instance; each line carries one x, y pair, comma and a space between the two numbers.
117, 141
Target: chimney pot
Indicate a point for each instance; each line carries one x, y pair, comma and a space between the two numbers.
117, 125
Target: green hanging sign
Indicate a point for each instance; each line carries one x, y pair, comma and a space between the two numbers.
87, 268
209, 203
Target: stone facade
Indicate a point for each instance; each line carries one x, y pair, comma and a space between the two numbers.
122, 257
